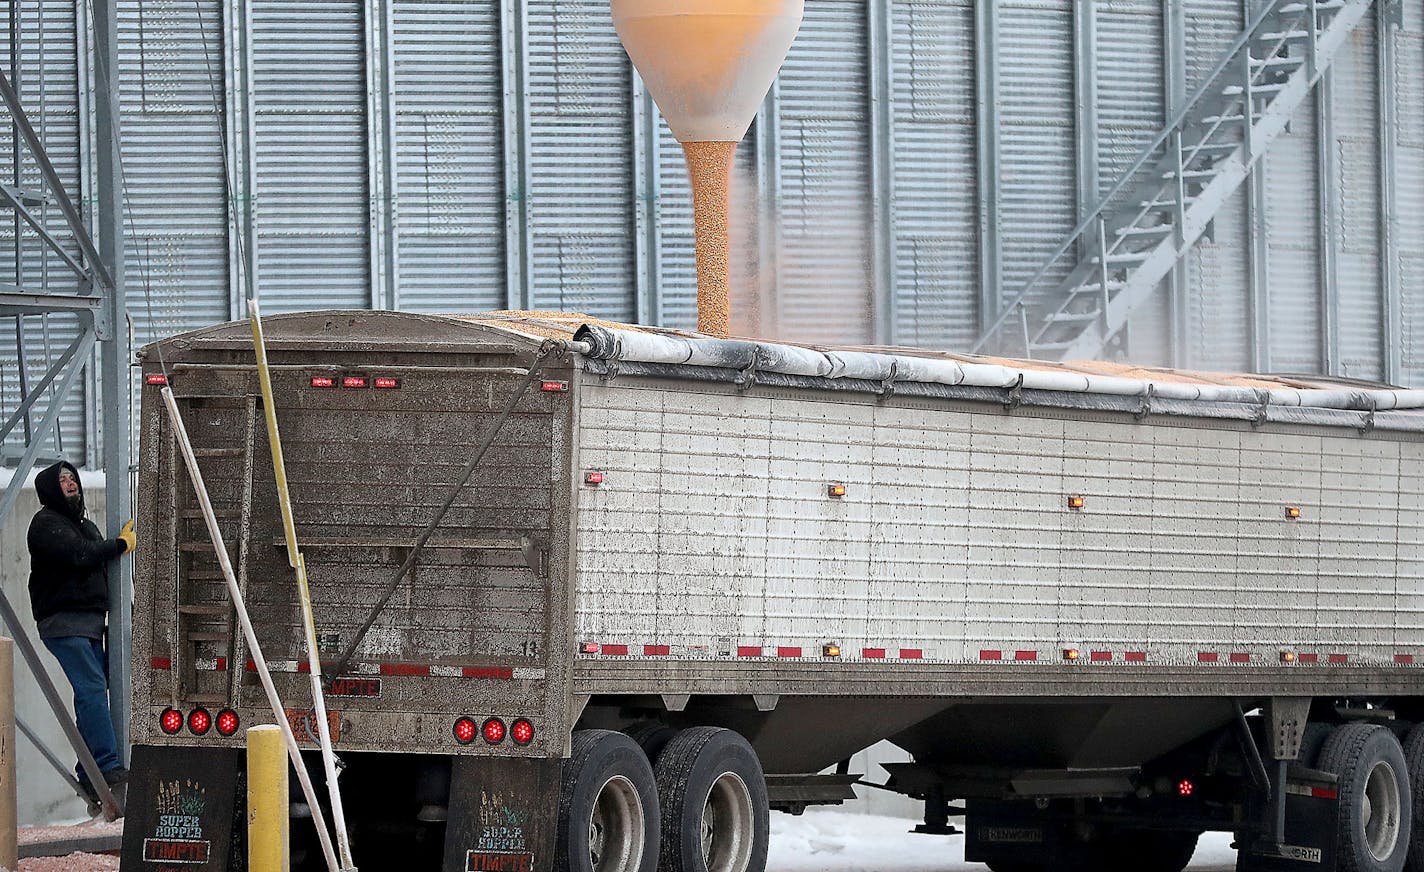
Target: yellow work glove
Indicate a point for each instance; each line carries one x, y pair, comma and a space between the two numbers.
127, 536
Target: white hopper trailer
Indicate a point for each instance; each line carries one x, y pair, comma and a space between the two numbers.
1105, 610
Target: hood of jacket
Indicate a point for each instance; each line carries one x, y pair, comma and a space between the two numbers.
52, 497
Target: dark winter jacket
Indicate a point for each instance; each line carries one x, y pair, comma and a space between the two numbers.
69, 557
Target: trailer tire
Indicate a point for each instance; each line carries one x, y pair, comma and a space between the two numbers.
715, 814
1414, 763
652, 737
608, 807
1374, 817
1312, 742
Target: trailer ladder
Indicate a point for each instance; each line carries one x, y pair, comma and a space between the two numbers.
200, 622
1119, 254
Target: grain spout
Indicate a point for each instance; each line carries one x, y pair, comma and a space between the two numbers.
710, 166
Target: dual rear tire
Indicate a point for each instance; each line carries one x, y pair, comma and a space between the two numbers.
662, 801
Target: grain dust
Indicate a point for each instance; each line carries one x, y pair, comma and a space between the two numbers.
710, 166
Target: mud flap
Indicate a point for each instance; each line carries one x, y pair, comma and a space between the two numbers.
1003, 831
1311, 810
182, 810
503, 813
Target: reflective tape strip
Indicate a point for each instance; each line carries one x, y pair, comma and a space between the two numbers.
911, 654
1135, 657
1207, 657
1404, 659
788, 652
1025, 656
873, 653
748, 651
989, 654
1339, 658
1101, 657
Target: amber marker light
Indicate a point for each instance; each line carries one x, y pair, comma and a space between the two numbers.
836, 491
830, 649
1076, 502
1292, 512
1288, 657
1071, 654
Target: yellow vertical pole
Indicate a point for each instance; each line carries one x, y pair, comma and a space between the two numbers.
9, 796
268, 826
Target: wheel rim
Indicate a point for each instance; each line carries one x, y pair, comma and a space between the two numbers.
1380, 811
615, 828
727, 825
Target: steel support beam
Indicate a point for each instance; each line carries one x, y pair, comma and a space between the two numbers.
1258, 249
885, 295
240, 156
113, 356
29, 398
19, 301
16, 199
1330, 212
65, 773
97, 270
381, 148
769, 244
987, 95
518, 242
1085, 110
1174, 40
647, 201
1388, 20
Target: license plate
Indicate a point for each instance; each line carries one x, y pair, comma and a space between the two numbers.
303, 724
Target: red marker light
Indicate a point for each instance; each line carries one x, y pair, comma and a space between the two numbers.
353, 381
228, 722
387, 383
157, 379
171, 721
555, 387
494, 731
465, 731
1185, 787
199, 721
593, 479
522, 732
323, 381
588, 648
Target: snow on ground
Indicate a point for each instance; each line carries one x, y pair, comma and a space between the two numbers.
830, 840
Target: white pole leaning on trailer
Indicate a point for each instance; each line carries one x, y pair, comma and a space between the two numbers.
279, 711
298, 563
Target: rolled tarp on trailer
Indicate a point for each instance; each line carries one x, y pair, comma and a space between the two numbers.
635, 346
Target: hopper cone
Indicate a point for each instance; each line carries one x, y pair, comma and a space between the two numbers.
708, 63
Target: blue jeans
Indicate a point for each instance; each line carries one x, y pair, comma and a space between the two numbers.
87, 667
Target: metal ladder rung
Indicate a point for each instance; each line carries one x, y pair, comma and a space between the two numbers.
1211, 148
206, 636
194, 514
1256, 90
1123, 257
1277, 61
1284, 36
1073, 317
1159, 230
217, 452
1191, 174
1322, 6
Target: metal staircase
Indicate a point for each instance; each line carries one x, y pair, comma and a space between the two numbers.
1119, 254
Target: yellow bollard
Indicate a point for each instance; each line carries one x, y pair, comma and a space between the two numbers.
268, 827
9, 796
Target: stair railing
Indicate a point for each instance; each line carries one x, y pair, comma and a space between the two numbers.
1210, 87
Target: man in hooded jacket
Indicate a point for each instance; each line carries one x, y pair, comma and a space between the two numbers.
69, 596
